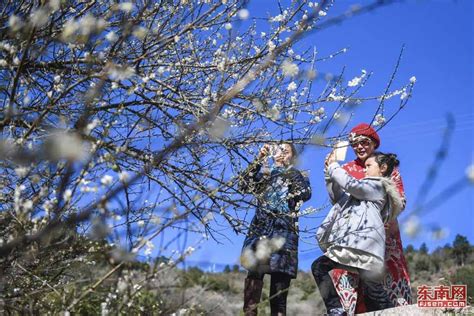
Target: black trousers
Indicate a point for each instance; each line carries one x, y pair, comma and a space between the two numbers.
374, 288
279, 285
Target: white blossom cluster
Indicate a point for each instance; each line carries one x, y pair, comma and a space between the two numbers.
265, 248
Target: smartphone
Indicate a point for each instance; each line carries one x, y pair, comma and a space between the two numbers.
341, 150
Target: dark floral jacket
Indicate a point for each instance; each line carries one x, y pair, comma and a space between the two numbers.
279, 195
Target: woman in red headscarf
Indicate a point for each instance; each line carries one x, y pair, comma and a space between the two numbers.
364, 140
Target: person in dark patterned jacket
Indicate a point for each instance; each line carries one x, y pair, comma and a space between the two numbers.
271, 244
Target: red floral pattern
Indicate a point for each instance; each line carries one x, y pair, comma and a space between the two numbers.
396, 280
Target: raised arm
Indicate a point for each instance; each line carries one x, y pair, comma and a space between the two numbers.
251, 180
334, 190
363, 189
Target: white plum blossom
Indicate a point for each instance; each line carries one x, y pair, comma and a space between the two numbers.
207, 218
379, 120
278, 18
189, 250
104, 311
263, 250
155, 220
322, 13
89, 24
248, 259
48, 206
292, 86
27, 205
3, 63
333, 97
67, 195
69, 29
258, 105
106, 180
39, 17
205, 101
85, 26
243, 14
439, 233
357, 80
316, 120
149, 248
412, 226
228, 26
126, 7
274, 113
221, 66
277, 243
161, 70
470, 173
119, 72
88, 129
219, 128
111, 36
15, 23
394, 93
22, 171
54, 5
69, 146
123, 176
404, 95
122, 285
140, 32
413, 79
289, 69
271, 46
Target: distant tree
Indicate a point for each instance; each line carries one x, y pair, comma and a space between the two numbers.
465, 276
437, 258
226, 268
461, 249
424, 249
235, 268
409, 249
447, 246
422, 263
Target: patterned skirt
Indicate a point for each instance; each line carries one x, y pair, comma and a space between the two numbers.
396, 279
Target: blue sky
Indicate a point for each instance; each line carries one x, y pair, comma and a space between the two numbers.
439, 51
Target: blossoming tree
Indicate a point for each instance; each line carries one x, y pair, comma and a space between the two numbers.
121, 120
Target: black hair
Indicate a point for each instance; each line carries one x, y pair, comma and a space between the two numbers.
390, 160
294, 151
